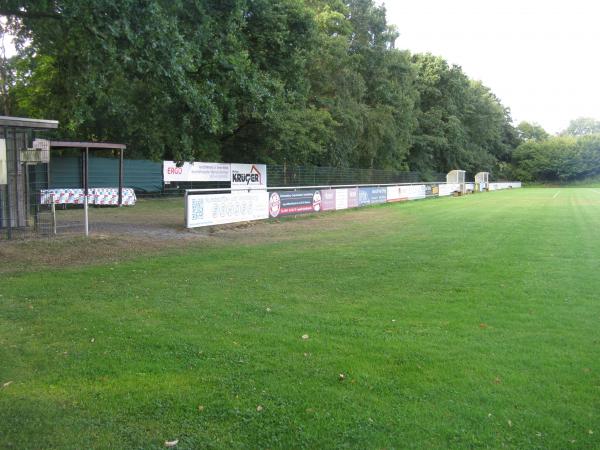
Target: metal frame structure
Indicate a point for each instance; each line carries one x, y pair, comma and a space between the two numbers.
18, 134
482, 178
85, 155
457, 177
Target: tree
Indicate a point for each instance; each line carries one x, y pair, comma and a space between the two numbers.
461, 124
7, 76
582, 127
275, 81
531, 131
560, 158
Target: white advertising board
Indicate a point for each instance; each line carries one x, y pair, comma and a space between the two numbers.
341, 199
406, 192
196, 171
393, 193
504, 185
448, 188
414, 192
219, 209
3, 166
248, 176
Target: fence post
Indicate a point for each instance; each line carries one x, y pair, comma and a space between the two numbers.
53, 214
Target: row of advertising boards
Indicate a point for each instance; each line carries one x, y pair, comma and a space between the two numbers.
241, 176
243, 206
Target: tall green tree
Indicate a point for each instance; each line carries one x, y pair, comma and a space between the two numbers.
460, 122
531, 131
276, 81
582, 126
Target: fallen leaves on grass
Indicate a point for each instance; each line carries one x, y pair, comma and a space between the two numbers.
171, 444
483, 326
200, 407
7, 384
497, 380
259, 408
510, 423
305, 336
341, 377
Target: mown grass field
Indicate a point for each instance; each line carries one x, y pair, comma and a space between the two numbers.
459, 322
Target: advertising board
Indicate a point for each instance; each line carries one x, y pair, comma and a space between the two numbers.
353, 198
248, 176
341, 199
408, 192
371, 195
328, 199
196, 171
504, 185
448, 189
285, 203
431, 190
219, 209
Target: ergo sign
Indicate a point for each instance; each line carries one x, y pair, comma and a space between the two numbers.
241, 176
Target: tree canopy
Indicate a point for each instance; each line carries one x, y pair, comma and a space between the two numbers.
582, 126
297, 81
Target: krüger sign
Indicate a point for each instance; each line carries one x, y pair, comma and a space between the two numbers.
248, 176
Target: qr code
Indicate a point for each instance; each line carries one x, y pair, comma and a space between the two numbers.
197, 208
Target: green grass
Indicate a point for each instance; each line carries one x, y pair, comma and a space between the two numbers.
460, 322
589, 182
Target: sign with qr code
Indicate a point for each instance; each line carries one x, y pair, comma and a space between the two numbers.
220, 209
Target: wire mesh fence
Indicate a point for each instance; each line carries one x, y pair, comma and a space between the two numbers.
45, 197
24, 174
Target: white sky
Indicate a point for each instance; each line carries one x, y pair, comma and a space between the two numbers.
541, 58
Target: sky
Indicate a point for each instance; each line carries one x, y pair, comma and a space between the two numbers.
541, 58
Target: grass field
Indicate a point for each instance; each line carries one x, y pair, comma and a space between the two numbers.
459, 322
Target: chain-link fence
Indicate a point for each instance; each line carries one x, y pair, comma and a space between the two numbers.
45, 197
24, 174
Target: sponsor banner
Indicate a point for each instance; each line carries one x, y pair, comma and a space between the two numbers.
448, 189
431, 190
285, 203
408, 192
328, 199
219, 209
414, 192
504, 185
372, 195
196, 171
353, 197
393, 194
248, 176
341, 199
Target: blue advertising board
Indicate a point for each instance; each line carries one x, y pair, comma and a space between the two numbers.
372, 195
